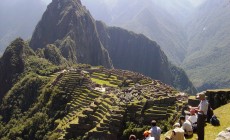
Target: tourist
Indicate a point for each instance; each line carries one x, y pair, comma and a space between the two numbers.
155, 130
132, 137
186, 126
202, 112
147, 135
177, 133
193, 119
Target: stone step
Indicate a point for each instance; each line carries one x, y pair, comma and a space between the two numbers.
117, 116
99, 115
94, 118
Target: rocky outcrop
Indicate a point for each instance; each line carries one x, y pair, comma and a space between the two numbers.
218, 97
71, 27
224, 135
136, 52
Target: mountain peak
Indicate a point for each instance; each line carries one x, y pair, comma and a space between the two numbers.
69, 20
63, 4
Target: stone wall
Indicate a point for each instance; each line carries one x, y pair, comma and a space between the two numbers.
218, 98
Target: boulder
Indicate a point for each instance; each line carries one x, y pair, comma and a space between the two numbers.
224, 135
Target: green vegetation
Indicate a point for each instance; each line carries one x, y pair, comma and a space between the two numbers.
103, 82
47, 102
52, 54
223, 115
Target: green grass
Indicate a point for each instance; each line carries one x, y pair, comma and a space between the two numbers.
223, 115
192, 97
101, 82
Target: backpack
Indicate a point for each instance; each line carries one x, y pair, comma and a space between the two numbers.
214, 121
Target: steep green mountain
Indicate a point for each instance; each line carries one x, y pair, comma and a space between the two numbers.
67, 25
18, 20
207, 61
12, 64
70, 27
67, 101
136, 52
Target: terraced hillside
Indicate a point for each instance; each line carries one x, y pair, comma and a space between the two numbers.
102, 100
94, 102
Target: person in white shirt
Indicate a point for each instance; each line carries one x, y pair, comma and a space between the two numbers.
186, 126
155, 130
147, 135
202, 113
193, 119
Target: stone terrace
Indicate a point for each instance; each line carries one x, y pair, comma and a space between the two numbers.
129, 96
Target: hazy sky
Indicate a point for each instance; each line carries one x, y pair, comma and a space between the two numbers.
194, 2
47, 1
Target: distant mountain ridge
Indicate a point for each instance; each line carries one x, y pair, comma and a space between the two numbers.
195, 38
161, 21
207, 61
136, 52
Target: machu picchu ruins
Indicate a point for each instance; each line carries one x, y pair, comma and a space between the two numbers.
101, 100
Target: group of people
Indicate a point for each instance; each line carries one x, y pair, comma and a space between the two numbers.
153, 134
186, 126
194, 123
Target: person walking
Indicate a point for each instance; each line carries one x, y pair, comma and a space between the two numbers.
155, 130
202, 113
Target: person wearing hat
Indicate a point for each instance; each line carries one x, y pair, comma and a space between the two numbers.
202, 113
177, 133
186, 126
155, 130
147, 135
132, 137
